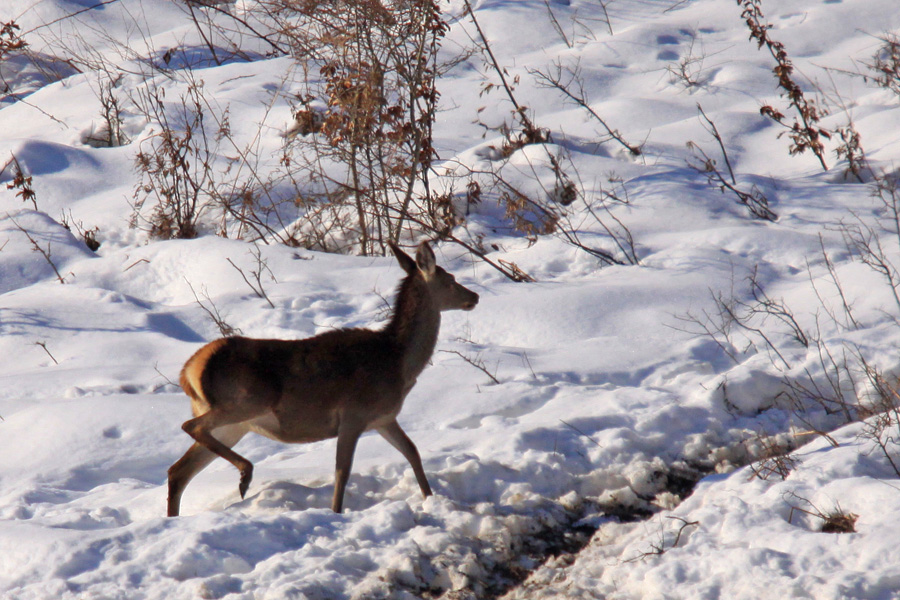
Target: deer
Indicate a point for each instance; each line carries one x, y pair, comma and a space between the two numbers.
340, 383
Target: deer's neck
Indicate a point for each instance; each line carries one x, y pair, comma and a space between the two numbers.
414, 326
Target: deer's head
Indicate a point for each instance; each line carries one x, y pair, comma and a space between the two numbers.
446, 292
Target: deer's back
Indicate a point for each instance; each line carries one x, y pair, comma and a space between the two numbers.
307, 386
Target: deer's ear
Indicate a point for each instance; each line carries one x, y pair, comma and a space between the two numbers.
425, 259
408, 264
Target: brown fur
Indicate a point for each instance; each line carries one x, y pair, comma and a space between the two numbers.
337, 384
190, 376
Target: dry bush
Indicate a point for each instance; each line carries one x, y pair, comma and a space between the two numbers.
569, 82
548, 212
356, 168
362, 147
109, 134
881, 411
841, 384
850, 148
870, 242
212, 311
823, 396
755, 201
45, 252
175, 165
772, 458
21, 182
10, 40
664, 545
804, 132
836, 520
886, 64
90, 236
688, 71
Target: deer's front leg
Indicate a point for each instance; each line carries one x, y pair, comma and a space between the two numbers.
399, 440
348, 435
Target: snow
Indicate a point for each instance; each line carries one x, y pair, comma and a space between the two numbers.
608, 391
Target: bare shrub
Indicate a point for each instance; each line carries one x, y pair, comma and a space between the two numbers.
212, 311
804, 131
10, 40
21, 182
255, 280
850, 148
754, 200
569, 82
548, 213
865, 241
88, 235
356, 170
175, 165
839, 383
688, 70
886, 64
45, 252
836, 520
881, 411
773, 459
822, 396
664, 545
476, 361
109, 134
365, 111
742, 324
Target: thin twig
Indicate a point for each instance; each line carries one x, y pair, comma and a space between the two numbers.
37, 248
527, 361
714, 131
224, 328
258, 289
44, 346
163, 375
569, 425
70, 15
555, 81
497, 68
555, 22
475, 362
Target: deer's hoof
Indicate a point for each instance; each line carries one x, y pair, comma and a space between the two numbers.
246, 476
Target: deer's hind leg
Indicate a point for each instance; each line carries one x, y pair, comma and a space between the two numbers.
201, 429
197, 458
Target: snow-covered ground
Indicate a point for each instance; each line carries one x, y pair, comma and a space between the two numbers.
609, 398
